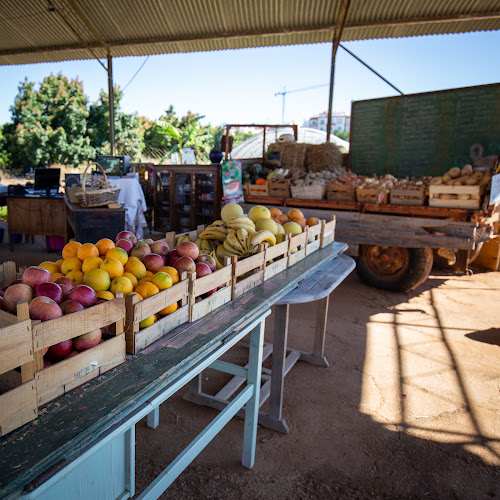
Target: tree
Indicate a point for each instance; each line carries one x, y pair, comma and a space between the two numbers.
342, 134
49, 124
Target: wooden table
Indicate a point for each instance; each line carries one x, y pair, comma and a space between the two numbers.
91, 430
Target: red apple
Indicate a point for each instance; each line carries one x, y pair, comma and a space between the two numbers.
15, 294
141, 251
43, 308
149, 241
65, 283
127, 245
153, 262
46, 363
185, 264
15, 282
71, 306
202, 269
208, 260
71, 354
59, 351
83, 294
160, 247
87, 340
2, 307
45, 349
188, 249
173, 257
126, 235
2, 291
34, 276
51, 290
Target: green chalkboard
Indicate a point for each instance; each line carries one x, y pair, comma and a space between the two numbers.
424, 134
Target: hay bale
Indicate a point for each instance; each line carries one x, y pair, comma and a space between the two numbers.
325, 156
292, 154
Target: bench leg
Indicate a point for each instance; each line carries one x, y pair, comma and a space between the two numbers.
153, 419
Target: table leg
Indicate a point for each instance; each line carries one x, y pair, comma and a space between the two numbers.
153, 419
320, 334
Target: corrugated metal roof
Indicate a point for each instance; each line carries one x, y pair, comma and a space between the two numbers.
33, 31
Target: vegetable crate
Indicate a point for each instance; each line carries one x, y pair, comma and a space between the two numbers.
61, 377
341, 192
276, 258
258, 189
247, 273
279, 189
314, 237
468, 197
316, 192
371, 195
328, 232
408, 197
297, 248
137, 339
18, 400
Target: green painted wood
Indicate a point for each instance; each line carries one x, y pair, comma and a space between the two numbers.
78, 418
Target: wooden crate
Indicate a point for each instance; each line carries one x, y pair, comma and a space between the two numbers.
297, 248
246, 189
61, 377
258, 190
18, 400
315, 192
171, 237
279, 189
247, 273
200, 306
137, 339
277, 258
453, 192
9, 272
341, 192
371, 195
408, 197
314, 237
328, 233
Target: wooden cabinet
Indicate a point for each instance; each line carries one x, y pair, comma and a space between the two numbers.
186, 196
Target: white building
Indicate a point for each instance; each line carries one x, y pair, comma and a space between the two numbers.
340, 121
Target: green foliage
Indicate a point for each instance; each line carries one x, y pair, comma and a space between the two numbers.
4, 155
342, 134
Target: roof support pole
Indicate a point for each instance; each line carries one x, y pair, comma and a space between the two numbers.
111, 104
340, 19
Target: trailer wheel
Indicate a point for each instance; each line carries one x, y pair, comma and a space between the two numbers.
394, 268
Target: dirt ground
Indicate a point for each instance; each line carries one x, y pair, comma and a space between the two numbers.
409, 407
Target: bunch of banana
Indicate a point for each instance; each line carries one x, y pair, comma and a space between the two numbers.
207, 245
213, 253
236, 223
216, 231
255, 239
182, 238
236, 243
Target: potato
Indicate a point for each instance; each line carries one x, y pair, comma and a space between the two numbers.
485, 180
467, 170
463, 196
474, 197
436, 181
454, 172
446, 196
446, 178
463, 179
456, 182
472, 181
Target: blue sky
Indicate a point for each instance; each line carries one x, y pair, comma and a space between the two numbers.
238, 86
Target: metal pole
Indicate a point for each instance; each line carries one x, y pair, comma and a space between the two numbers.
283, 107
111, 104
339, 27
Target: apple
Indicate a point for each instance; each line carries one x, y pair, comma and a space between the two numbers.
16, 282
87, 340
71, 306
127, 245
160, 248
126, 235
15, 294
65, 283
51, 290
83, 294
173, 257
2, 291
188, 249
43, 308
141, 251
71, 354
185, 264
202, 269
59, 351
46, 363
34, 276
2, 307
208, 260
153, 262
149, 241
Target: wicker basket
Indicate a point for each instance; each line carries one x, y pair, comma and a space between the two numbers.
100, 196
73, 193
315, 192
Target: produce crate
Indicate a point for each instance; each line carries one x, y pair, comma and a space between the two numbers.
297, 248
18, 400
451, 196
136, 311
314, 237
279, 189
246, 189
247, 273
371, 195
200, 306
408, 197
171, 237
9, 273
316, 192
257, 190
328, 232
70, 373
277, 258
341, 192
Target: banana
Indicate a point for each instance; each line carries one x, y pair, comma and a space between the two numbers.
222, 252
182, 238
217, 223
262, 237
218, 264
231, 250
198, 243
214, 233
207, 245
242, 235
234, 242
236, 223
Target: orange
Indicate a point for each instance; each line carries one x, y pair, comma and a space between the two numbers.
97, 279
71, 264
162, 280
91, 263
87, 250
50, 266
174, 274
283, 218
121, 284
113, 267
148, 321
149, 274
301, 221
76, 277
105, 295
70, 249
312, 221
58, 263
139, 297
118, 254
133, 257
295, 213
54, 276
275, 212
169, 310
104, 246
147, 279
146, 290
132, 279
135, 267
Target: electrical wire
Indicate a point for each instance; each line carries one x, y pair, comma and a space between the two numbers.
136, 73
